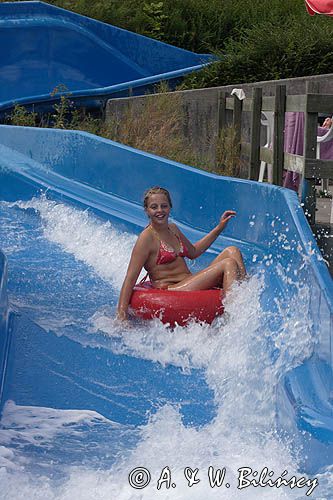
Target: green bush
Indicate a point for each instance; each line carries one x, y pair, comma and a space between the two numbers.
195, 25
269, 51
20, 116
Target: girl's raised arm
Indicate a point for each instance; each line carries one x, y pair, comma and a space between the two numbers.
198, 248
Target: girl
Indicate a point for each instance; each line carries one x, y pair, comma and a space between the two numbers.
161, 248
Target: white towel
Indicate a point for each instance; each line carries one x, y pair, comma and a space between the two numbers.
238, 93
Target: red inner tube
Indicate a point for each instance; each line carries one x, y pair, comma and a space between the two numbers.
319, 7
175, 307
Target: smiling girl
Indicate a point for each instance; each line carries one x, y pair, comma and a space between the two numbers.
161, 248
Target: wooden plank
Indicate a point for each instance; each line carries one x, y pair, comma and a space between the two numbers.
247, 105
296, 103
237, 122
320, 103
317, 103
268, 103
294, 163
229, 103
278, 134
310, 150
254, 164
221, 111
315, 168
322, 169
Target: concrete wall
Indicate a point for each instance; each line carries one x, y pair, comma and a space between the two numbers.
199, 109
197, 115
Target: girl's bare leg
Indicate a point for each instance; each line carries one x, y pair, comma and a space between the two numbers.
220, 273
234, 253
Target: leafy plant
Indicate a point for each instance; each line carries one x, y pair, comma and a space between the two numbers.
154, 12
62, 109
22, 117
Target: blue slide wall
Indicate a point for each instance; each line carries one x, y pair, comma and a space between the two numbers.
40, 371
42, 47
94, 172
4, 328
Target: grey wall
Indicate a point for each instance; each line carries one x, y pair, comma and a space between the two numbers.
200, 117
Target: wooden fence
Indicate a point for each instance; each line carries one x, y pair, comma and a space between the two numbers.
308, 166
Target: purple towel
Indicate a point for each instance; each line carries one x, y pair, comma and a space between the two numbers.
294, 143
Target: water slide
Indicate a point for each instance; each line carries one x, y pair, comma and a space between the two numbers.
93, 409
86, 401
46, 51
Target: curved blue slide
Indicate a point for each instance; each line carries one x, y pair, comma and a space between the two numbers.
91, 407
45, 49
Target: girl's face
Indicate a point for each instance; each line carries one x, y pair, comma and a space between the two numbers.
158, 208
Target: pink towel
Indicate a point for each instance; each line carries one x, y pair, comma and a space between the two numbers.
294, 143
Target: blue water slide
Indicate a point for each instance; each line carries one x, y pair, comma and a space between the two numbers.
108, 179
43, 47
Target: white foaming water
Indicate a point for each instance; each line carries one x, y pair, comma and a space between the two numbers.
242, 360
25, 425
100, 245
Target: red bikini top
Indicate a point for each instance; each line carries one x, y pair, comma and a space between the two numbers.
167, 254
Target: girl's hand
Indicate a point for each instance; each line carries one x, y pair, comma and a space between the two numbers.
226, 216
121, 324
122, 316
327, 123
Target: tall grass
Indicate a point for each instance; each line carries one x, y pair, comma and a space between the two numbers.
228, 160
155, 125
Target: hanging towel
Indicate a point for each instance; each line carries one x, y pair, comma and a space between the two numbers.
238, 93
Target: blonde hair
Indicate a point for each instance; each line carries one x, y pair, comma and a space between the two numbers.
156, 190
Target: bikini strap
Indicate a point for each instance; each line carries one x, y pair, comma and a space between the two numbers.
158, 236
181, 246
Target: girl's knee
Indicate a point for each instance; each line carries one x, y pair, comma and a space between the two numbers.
233, 251
229, 263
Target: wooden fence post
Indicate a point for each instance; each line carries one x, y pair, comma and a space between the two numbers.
278, 135
254, 165
221, 111
310, 150
237, 121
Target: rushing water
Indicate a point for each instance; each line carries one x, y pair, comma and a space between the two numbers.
46, 453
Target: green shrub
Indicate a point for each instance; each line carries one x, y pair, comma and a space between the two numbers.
269, 51
22, 117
